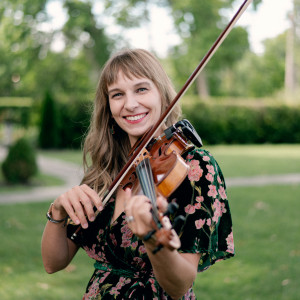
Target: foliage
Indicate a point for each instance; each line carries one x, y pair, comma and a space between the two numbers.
75, 119
257, 75
50, 122
231, 123
29, 59
20, 164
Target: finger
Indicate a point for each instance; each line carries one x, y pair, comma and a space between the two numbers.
127, 202
77, 206
162, 203
94, 196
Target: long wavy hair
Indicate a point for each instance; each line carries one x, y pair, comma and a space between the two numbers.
105, 150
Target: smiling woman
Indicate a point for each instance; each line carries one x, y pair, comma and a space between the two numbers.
133, 93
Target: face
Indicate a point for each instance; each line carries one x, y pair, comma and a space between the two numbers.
135, 105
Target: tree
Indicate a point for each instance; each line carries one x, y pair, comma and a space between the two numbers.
28, 59
198, 23
50, 123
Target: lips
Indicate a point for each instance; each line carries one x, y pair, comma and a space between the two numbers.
136, 117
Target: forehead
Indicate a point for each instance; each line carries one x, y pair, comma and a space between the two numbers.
128, 78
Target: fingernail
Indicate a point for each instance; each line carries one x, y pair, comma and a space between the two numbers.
84, 225
100, 208
77, 222
92, 218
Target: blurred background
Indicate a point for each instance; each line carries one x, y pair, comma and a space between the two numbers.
245, 105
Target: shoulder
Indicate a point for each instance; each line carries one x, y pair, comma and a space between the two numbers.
202, 163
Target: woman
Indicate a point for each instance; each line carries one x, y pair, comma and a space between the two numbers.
133, 92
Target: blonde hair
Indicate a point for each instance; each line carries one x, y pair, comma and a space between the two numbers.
105, 152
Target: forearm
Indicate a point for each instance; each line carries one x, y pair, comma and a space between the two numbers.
56, 252
174, 272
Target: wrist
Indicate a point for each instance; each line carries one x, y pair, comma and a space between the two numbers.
56, 216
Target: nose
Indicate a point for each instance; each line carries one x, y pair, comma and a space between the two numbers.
131, 103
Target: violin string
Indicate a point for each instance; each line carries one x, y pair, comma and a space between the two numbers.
145, 175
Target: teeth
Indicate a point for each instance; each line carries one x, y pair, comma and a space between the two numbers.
136, 117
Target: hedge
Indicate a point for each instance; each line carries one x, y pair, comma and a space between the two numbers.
221, 123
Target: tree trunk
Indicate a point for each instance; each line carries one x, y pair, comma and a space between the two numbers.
202, 88
289, 80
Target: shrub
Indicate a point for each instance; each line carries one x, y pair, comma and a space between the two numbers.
223, 123
20, 164
49, 137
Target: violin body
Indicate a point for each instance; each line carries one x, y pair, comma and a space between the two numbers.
169, 169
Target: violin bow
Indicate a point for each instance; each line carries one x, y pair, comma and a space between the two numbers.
148, 137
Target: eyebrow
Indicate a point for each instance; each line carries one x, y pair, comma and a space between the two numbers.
135, 86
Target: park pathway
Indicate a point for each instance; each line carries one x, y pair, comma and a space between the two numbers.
71, 174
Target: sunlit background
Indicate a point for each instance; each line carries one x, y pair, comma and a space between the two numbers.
245, 105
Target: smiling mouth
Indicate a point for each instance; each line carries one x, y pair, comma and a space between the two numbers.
135, 118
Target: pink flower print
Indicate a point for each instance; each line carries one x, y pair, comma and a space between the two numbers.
125, 243
103, 277
91, 252
197, 205
208, 222
230, 244
219, 179
189, 156
222, 193
93, 290
199, 199
199, 223
209, 177
212, 191
211, 169
134, 245
114, 291
142, 249
139, 262
152, 281
195, 171
206, 158
113, 239
189, 209
219, 209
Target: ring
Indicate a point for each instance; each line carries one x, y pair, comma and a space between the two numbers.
130, 219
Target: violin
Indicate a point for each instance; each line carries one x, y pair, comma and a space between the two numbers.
165, 151
159, 171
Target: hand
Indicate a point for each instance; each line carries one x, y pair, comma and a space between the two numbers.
78, 203
139, 207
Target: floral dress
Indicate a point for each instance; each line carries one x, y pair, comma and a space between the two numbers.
122, 267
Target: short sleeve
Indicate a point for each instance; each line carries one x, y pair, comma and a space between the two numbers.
203, 200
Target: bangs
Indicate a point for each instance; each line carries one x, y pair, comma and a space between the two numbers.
131, 65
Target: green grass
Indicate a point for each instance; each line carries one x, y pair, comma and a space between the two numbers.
267, 241
73, 156
266, 265
266, 232
39, 179
251, 160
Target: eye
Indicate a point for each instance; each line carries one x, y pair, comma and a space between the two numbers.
116, 95
141, 89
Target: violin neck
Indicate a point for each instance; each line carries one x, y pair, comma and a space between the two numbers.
145, 176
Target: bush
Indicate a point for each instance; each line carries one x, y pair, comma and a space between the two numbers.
49, 137
223, 123
20, 164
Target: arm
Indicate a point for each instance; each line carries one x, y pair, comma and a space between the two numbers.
78, 203
174, 271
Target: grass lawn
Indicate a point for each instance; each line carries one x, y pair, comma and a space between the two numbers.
266, 231
266, 265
